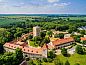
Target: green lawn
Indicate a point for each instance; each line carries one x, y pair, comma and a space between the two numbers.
76, 58
2, 29
32, 43
44, 63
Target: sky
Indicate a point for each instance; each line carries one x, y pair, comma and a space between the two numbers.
42, 6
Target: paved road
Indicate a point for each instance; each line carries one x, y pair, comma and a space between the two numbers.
72, 50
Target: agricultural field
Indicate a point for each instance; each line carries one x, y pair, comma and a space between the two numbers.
77, 18
8, 21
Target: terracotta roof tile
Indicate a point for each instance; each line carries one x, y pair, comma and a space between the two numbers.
45, 46
83, 38
24, 49
50, 46
62, 41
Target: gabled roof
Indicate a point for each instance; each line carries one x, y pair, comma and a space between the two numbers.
50, 46
45, 46
24, 48
62, 41
83, 38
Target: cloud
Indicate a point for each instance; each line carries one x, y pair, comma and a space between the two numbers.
17, 6
33, 6
21, 4
61, 4
52, 1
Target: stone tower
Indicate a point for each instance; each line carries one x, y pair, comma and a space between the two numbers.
36, 31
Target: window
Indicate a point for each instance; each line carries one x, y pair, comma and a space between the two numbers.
11, 46
24, 49
25, 55
36, 51
14, 47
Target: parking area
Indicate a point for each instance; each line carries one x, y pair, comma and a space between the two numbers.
70, 51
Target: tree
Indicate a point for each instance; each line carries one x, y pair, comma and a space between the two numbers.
51, 54
57, 61
18, 34
79, 49
19, 54
61, 28
42, 34
30, 62
49, 33
39, 62
83, 42
64, 51
72, 29
8, 59
56, 36
77, 38
37, 38
30, 36
3, 40
49, 59
60, 35
76, 64
67, 63
45, 59
68, 19
46, 40
83, 32
1, 48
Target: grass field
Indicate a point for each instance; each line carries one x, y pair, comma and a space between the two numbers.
8, 21
76, 58
77, 18
2, 29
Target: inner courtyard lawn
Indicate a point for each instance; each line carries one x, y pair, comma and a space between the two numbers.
32, 43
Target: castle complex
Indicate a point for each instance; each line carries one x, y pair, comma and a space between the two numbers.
28, 51
37, 52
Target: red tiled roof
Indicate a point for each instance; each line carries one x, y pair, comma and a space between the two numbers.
24, 48
83, 38
45, 46
30, 32
62, 41
50, 46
